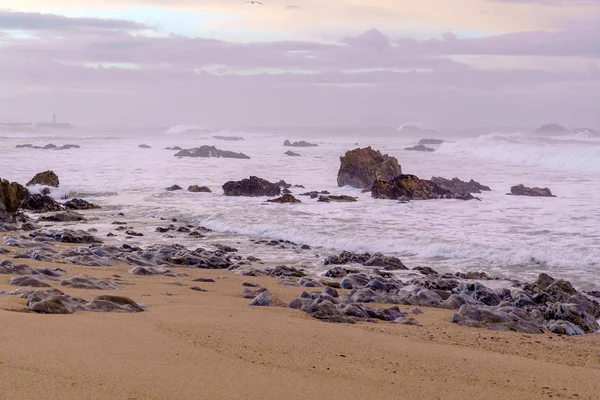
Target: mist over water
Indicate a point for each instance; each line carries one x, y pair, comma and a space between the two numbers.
504, 235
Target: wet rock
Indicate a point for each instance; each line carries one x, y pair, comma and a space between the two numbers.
455, 185
267, 299
426, 271
420, 147
336, 272
173, 188
286, 198
576, 313
40, 203
79, 204
199, 189
362, 167
413, 188
46, 178
63, 216
12, 196
522, 190
497, 318
371, 260
144, 146
173, 148
210, 151
89, 282
225, 248
28, 281
282, 270
67, 236
133, 233
253, 186
354, 281
301, 143
431, 141
291, 154
338, 199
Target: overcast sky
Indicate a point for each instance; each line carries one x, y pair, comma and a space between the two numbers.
440, 63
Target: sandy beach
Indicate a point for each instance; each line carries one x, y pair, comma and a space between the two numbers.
212, 345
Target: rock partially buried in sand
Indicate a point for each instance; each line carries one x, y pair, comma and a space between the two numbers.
361, 167
28, 281
455, 185
46, 178
497, 318
266, 299
522, 190
54, 301
89, 282
12, 196
253, 186
210, 151
286, 198
199, 189
413, 188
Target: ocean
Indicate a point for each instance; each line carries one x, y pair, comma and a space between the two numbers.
507, 236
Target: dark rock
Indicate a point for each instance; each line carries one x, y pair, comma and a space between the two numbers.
426, 271
133, 233
63, 216
253, 186
575, 313
229, 138
420, 147
40, 203
144, 146
413, 188
301, 143
455, 185
497, 318
204, 280
291, 154
210, 151
12, 196
173, 148
431, 141
362, 167
551, 129
197, 289
46, 178
564, 328
286, 198
199, 189
79, 204
173, 188
522, 190
337, 199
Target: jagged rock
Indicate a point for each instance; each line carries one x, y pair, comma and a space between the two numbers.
89, 282
12, 196
63, 216
173, 188
361, 167
420, 147
522, 190
497, 318
79, 204
27, 281
301, 143
455, 185
144, 146
210, 151
286, 198
40, 203
431, 141
46, 178
199, 189
253, 186
337, 199
147, 271
413, 188
291, 154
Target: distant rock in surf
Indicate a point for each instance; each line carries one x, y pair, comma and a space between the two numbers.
455, 185
173, 188
210, 151
253, 187
337, 199
229, 138
79, 204
174, 148
199, 189
46, 178
522, 190
286, 198
431, 141
419, 147
48, 147
551, 129
291, 154
144, 146
301, 143
361, 167
413, 188
40, 203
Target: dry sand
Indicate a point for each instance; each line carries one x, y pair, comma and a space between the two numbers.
212, 345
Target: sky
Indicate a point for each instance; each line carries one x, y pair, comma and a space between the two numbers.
227, 63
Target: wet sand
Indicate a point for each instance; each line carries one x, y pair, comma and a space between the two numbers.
212, 345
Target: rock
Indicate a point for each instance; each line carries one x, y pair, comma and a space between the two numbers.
40, 203
210, 151
253, 186
173, 188
522, 190
46, 178
420, 147
337, 199
144, 146
229, 138
497, 318
551, 129
414, 311
361, 167
431, 141
110, 303
575, 313
63, 216
28, 281
301, 143
455, 185
89, 282
197, 289
12, 196
413, 188
286, 198
79, 204
67, 236
291, 154
173, 148
406, 321
426, 271
266, 299
205, 280
199, 189
564, 328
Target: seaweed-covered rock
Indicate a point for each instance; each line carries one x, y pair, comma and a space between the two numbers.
413, 188
455, 185
210, 151
46, 178
253, 186
522, 190
361, 167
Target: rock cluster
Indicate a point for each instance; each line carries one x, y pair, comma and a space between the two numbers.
53, 301
388, 263
455, 185
210, 151
49, 147
252, 186
522, 190
420, 147
301, 143
362, 167
413, 188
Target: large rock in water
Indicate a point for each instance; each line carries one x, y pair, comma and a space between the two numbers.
210, 151
12, 196
551, 129
457, 186
522, 190
413, 188
301, 143
46, 178
41, 203
253, 186
361, 167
